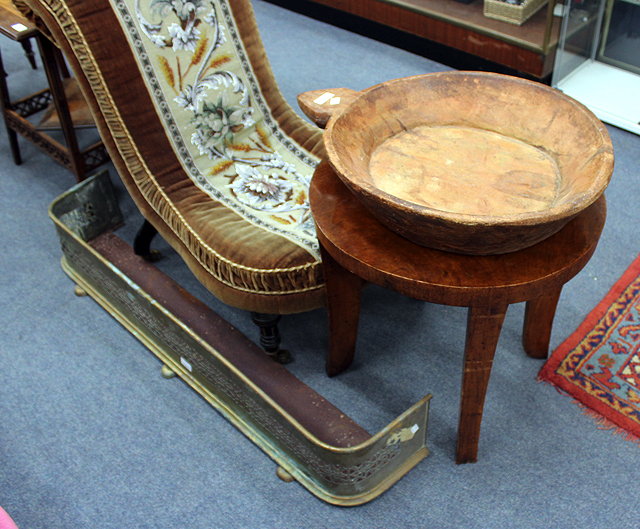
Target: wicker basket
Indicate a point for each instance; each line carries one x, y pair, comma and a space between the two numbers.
514, 14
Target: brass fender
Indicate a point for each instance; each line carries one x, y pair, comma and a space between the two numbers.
309, 438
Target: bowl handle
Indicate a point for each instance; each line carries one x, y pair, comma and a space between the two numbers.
320, 105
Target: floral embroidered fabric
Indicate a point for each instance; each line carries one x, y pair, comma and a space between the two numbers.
215, 115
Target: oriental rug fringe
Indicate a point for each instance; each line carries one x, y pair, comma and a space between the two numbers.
599, 364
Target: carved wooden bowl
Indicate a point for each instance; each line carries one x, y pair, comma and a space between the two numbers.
470, 162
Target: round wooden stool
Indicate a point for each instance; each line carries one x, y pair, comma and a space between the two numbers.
356, 247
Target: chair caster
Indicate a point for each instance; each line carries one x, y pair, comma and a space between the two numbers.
284, 475
79, 291
153, 256
282, 356
167, 372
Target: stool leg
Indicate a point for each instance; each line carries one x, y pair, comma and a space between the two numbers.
484, 324
343, 304
538, 320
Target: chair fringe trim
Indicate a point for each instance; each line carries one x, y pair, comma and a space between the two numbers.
279, 281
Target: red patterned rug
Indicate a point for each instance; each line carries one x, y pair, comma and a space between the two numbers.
599, 364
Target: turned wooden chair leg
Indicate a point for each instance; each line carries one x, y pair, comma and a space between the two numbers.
270, 336
343, 295
484, 324
538, 321
142, 242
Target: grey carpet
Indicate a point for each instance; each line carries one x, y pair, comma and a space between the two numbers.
92, 437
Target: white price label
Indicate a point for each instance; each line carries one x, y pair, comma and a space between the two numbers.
186, 364
321, 100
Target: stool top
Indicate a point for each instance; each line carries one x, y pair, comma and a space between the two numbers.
359, 243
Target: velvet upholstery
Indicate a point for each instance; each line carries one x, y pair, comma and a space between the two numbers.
237, 259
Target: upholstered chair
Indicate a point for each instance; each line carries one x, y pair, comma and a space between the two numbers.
215, 159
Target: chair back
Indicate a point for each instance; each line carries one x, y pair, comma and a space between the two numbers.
208, 148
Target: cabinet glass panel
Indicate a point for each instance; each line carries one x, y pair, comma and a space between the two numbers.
598, 58
621, 35
578, 36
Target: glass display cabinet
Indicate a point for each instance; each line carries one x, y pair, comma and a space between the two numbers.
598, 59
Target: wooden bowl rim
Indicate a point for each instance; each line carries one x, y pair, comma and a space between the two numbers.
566, 209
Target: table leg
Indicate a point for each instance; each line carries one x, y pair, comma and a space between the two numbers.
484, 324
343, 304
538, 320
28, 51
51, 60
5, 102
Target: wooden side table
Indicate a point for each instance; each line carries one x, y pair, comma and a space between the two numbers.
356, 247
63, 105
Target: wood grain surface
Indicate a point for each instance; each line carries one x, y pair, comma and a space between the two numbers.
470, 162
356, 247
464, 27
320, 105
465, 170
